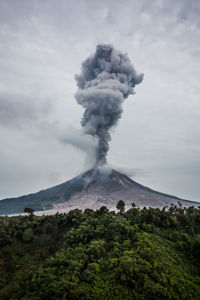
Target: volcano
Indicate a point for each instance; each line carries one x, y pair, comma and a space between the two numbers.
92, 189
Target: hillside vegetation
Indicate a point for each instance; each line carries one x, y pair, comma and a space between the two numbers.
138, 254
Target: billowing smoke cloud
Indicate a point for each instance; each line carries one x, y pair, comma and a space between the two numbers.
106, 79
77, 138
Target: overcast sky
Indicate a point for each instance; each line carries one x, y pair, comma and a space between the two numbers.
42, 46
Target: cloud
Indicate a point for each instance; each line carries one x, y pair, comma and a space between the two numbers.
131, 172
41, 49
16, 110
78, 139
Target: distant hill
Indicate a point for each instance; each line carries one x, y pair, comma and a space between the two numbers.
92, 189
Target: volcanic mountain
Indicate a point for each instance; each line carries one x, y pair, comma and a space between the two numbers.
92, 189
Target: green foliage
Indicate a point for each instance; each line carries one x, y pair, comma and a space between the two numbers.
138, 254
121, 206
28, 235
29, 210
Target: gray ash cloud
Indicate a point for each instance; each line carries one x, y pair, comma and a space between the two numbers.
107, 78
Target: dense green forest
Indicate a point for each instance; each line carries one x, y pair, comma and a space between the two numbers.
134, 254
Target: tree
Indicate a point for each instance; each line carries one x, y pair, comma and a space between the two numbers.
28, 235
29, 210
121, 206
102, 210
133, 205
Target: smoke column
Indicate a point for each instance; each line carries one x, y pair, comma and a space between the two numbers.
107, 78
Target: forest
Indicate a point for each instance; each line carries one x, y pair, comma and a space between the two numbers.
147, 253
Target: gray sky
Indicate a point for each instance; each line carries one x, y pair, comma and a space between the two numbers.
42, 46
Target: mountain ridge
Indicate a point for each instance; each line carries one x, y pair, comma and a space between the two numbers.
91, 189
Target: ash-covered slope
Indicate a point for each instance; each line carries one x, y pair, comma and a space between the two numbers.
107, 187
92, 189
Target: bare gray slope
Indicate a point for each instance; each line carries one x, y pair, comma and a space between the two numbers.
92, 189
103, 187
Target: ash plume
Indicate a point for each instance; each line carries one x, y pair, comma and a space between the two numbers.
107, 78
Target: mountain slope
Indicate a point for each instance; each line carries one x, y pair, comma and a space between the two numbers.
92, 189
